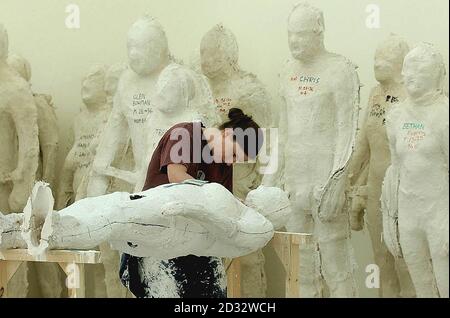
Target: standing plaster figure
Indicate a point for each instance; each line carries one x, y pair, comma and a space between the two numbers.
87, 126
148, 55
182, 95
20, 147
48, 275
233, 87
372, 148
415, 200
318, 127
47, 124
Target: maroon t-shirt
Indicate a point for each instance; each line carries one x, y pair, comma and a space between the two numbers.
172, 148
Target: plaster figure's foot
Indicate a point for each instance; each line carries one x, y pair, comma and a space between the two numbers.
37, 221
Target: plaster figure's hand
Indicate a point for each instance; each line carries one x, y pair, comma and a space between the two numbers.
358, 207
357, 213
330, 201
14, 176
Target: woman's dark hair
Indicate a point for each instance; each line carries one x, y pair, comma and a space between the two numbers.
246, 132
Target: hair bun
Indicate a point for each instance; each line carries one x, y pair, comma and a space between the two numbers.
236, 113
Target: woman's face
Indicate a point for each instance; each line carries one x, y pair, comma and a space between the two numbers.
225, 149
232, 152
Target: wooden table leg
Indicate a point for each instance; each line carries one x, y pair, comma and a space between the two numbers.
7, 271
75, 280
234, 279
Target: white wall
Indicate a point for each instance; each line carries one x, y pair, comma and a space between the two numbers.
60, 56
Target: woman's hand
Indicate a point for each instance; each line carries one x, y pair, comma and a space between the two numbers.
177, 173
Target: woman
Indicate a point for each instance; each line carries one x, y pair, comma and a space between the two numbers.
191, 151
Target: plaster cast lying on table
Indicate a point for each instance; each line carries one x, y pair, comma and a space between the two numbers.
193, 217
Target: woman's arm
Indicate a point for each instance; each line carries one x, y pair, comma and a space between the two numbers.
177, 173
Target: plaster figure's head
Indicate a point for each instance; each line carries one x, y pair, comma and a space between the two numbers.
93, 88
4, 44
423, 71
148, 49
389, 57
20, 65
306, 29
273, 203
112, 77
219, 52
175, 89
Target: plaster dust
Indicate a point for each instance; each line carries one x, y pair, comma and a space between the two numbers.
318, 125
372, 149
418, 138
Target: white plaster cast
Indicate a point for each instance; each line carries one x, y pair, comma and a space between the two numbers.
233, 87
372, 149
87, 126
172, 220
318, 125
47, 124
148, 55
415, 190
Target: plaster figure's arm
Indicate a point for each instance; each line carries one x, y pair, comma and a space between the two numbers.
24, 114
48, 138
445, 143
358, 174
331, 196
66, 191
274, 175
347, 105
112, 138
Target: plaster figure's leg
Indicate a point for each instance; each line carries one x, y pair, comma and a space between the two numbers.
5, 190
337, 259
254, 283
18, 285
389, 283
406, 285
310, 279
438, 242
253, 275
49, 277
111, 262
417, 257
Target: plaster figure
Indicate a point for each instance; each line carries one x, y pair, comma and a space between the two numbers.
87, 126
318, 125
20, 146
48, 145
372, 148
233, 87
182, 95
415, 191
148, 55
47, 124
178, 222
18, 134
